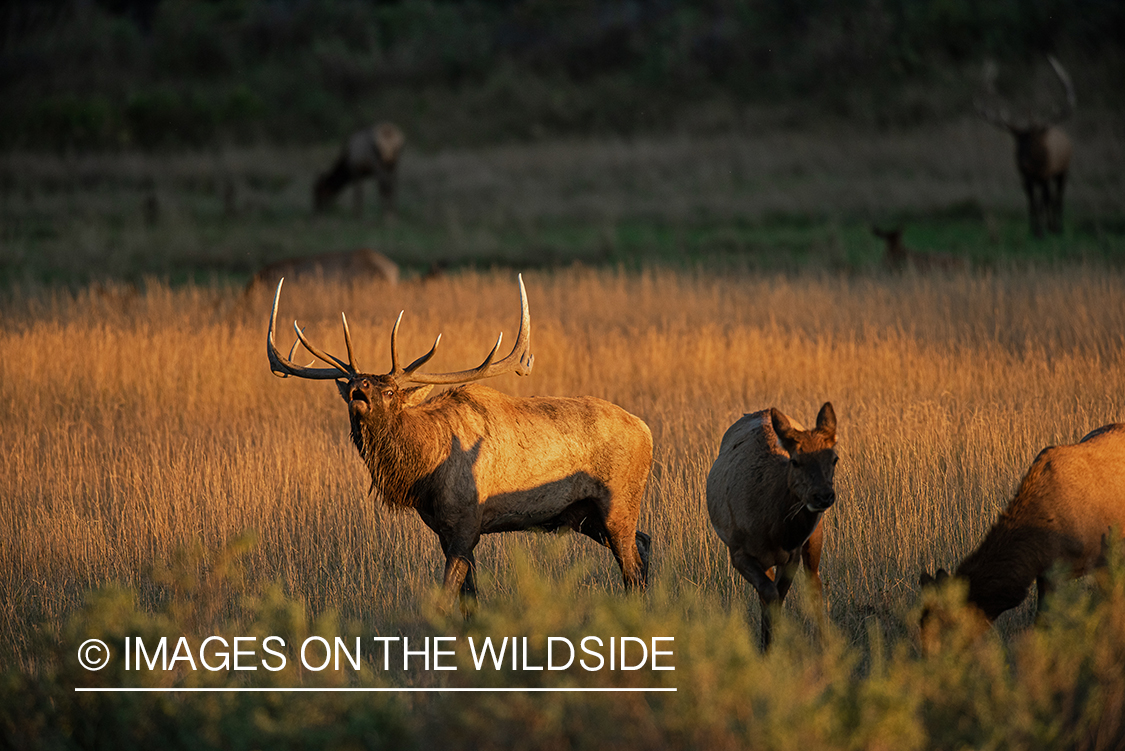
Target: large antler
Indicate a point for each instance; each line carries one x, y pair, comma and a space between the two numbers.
1068, 89
284, 366
998, 117
1001, 117
518, 361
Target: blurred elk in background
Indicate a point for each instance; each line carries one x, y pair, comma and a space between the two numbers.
1043, 149
372, 152
348, 266
899, 257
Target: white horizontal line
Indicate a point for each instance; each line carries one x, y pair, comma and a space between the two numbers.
365, 690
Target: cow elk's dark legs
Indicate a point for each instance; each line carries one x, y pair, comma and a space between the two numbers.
1034, 203
1057, 204
767, 589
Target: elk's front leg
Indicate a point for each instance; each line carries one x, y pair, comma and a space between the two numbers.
756, 574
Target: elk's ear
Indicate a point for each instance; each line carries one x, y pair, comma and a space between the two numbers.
786, 435
343, 386
826, 423
935, 581
414, 396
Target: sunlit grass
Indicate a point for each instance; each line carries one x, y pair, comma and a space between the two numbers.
139, 423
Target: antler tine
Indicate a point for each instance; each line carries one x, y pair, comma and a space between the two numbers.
423, 359
395, 369
1068, 87
318, 353
518, 361
284, 366
348, 343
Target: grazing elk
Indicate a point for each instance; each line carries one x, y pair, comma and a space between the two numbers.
1066, 505
766, 493
898, 257
351, 265
372, 152
473, 460
1043, 152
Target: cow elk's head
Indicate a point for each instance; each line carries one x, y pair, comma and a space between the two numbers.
372, 396
812, 458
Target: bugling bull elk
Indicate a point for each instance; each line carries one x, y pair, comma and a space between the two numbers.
372, 152
1043, 152
1068, 502
473, 460
766, 493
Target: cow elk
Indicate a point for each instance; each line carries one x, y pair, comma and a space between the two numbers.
372, 152
766, 493
1064, 509
1043, 151
473, 461
898, 257
348, 266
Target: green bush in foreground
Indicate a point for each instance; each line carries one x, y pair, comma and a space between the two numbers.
1059, 685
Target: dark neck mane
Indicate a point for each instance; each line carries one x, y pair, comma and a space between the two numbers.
393, 460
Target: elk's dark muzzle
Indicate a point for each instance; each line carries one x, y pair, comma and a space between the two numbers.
822, 501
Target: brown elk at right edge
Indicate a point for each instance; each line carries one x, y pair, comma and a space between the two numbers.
1043, 152
766, 493
1067, 504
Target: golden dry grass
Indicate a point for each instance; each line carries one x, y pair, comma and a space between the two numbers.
137, 424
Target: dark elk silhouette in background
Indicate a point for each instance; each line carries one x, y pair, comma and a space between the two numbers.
361, 265
371, 152
898, 257
474, 461
1043, 150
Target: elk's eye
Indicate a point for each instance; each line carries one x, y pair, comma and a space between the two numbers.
388, 393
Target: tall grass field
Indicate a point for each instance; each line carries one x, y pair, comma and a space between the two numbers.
155, 478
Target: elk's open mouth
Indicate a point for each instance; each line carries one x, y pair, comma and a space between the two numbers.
358, 403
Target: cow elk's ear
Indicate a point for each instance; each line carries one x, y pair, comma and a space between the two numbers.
826, 423
414, 396
786, 435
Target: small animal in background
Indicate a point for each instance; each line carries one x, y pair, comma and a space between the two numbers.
1043, 150
766, 493
1063, 512
352, 265
372, 152
899, 258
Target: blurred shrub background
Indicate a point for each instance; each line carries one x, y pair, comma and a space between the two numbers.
170, 73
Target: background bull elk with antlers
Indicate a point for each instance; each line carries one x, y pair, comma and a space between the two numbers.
1043, 151
371, 152
473, 460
